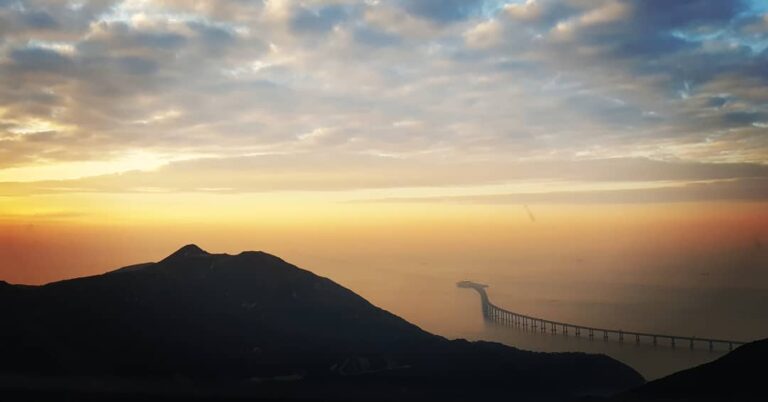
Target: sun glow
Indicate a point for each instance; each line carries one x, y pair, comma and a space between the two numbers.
56, 171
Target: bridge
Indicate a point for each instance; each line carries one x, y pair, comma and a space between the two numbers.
496, 314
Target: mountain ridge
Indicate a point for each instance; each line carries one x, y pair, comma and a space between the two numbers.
240, 318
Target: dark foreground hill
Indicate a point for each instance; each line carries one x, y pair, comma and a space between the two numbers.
739, 376
251, 325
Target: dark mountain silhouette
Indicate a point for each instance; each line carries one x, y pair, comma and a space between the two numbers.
739, 376
251, 325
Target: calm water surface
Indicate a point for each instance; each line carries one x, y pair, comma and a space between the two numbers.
435, 303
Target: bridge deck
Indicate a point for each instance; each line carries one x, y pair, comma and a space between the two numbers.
506, 317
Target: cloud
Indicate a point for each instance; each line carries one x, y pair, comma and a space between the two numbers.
39, 59
739, 190
48, 19
316, 21
483, 35
39, 20
344, 171
492, 84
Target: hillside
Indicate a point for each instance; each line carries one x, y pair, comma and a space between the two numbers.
738, 376
253, 325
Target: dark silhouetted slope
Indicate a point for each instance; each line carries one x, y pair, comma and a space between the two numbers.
738, 376
251, 323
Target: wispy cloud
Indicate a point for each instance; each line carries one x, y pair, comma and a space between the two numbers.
467, 91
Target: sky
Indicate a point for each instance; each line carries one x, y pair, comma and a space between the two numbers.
317, 128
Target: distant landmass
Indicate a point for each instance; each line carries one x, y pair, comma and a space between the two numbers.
252, 326
739, 376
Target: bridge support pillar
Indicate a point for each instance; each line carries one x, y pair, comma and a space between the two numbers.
503, 317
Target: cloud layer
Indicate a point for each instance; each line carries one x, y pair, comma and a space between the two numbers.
376, 93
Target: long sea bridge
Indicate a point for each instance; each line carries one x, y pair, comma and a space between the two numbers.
505, 317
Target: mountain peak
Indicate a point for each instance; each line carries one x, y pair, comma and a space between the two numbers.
190, 250
251, 316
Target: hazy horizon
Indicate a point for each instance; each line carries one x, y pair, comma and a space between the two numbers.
687, 269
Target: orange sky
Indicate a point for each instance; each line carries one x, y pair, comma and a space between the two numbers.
377, 141
341, 239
